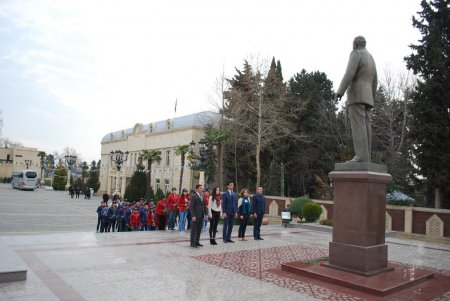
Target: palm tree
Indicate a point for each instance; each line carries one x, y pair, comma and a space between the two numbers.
182, 150
42, 156
150, 155
218, 137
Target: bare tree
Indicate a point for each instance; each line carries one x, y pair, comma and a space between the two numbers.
220, 136
390, 121
258, 120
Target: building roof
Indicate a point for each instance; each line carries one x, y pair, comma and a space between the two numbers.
198, 119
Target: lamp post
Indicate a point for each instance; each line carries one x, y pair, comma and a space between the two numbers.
27, 162
118, 157
203, 147
70, 160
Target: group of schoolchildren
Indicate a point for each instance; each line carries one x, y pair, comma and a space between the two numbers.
174, 210
144, 215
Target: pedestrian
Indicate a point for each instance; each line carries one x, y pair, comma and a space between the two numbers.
99, 215
71, 191
198, 210
143, 212
135, 219
151, 217
105, 219
77, 192
87, 193
128, 216
244, 211
258, 210
112, 214
205, 219
182, 204
214, 214
170, 206
105, 198
229, 209
160, 213
121, 209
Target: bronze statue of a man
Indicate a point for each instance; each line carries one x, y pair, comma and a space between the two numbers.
360, 81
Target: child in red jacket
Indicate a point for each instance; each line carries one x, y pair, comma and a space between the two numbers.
135, 219
161, 214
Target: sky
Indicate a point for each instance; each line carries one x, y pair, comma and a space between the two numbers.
73, 71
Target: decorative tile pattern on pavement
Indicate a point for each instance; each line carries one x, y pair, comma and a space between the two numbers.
264, 264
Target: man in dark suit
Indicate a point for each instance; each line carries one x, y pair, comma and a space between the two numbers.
258, 209
229, 209
197, 209
360, 81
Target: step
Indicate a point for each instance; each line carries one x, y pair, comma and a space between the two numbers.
12, 267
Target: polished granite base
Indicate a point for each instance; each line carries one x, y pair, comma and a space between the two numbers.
398, 278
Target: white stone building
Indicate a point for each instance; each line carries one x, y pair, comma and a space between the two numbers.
164, 136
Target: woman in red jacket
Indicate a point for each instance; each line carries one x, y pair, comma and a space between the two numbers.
182, 203
161, 214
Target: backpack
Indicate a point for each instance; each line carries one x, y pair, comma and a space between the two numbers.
104, 213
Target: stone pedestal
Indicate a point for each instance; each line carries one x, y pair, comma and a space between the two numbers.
358, 243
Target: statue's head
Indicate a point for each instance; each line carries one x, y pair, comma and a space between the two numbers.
359, 43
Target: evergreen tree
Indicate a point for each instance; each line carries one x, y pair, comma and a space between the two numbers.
59, 178
311, 153
93, 180
137, 187
430, 107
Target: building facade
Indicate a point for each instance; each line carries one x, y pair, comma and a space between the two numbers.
16, 157
165, 136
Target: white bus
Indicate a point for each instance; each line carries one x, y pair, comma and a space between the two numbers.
24, 179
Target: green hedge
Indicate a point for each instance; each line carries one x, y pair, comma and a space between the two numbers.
311, 212
297, 205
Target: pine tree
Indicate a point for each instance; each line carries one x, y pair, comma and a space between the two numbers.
59, 179
430, 107
137, 187
313, 150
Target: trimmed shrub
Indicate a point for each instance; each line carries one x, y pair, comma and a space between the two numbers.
297, 205
311, 212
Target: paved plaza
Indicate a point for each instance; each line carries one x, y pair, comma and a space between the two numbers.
41, 211
160, 265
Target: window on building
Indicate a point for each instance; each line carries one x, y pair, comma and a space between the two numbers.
158, 184
167, 157
166, 186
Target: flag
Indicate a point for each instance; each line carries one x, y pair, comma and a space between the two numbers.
176, 100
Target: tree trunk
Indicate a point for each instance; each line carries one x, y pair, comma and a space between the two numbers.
258, 145
149, 177
181, 173
235, 162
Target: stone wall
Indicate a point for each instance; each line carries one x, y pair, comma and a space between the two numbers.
418, 220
